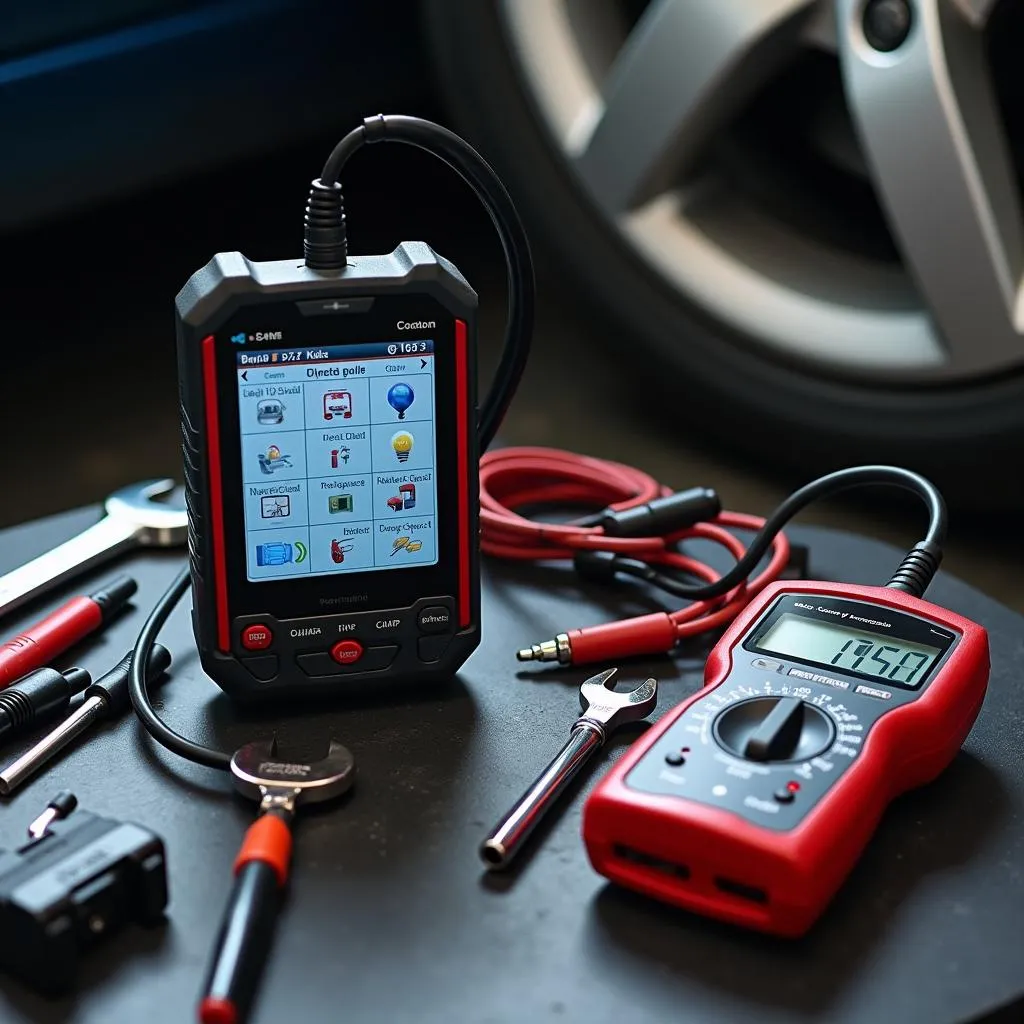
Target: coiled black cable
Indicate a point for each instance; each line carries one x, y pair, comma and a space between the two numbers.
139, 695
913, 575
326, 236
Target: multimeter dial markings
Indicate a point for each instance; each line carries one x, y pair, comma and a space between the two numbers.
733, 719
767, 750
771, 739
774, 729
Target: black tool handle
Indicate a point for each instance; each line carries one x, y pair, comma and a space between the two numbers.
38, 698
261, 870
113, 687
242, 946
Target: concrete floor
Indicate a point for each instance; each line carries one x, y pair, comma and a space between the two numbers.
91, 397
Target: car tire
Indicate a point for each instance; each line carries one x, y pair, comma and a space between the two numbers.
969, 438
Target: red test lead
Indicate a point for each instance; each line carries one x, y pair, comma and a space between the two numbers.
62, 629
637, 534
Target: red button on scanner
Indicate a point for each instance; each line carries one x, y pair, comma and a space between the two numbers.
257, 637
347, 652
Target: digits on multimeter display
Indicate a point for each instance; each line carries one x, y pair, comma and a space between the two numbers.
829, 644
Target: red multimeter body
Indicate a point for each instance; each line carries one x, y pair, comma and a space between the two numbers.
752, 800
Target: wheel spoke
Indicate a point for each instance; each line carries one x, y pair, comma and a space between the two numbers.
977, 12
688, 65
929, 124
820, 29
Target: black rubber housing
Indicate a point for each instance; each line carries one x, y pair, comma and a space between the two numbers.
39, 697
85, 867
114, 596
662, 515
412, 283
113, 686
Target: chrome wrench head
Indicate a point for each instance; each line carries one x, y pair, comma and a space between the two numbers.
157, 523
609, 708
261, 775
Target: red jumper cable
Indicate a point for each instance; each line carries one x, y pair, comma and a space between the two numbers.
636, 534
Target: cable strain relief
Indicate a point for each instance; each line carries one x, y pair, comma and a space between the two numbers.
325, 241
114, 596
77, 678
917, 569
663, 516
595, 566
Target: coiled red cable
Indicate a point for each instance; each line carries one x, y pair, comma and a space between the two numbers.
518, 478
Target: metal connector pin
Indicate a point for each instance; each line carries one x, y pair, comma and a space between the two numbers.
59, 807
559, 649
47, 748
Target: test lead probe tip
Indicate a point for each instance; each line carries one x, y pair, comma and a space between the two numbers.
559, 649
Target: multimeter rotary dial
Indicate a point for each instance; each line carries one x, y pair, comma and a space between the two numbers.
774, 729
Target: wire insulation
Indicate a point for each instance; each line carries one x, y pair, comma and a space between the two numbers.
513, 479
462, 158
516, 479
139, 694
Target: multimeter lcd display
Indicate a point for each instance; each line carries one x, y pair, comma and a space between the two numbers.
823, 643
338, 458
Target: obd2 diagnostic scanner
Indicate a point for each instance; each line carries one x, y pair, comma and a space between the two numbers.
331, 441
311, 401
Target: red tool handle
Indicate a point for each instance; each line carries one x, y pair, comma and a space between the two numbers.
48, 638
62, 629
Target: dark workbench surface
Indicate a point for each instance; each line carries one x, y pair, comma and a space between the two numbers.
390, 917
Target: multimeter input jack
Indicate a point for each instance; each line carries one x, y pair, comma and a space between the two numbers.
646, 860
672, 872
751, 893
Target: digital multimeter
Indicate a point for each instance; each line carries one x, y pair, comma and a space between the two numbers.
329, 432
752, 800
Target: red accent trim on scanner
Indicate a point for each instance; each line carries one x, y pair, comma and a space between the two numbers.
462, 443
213, 465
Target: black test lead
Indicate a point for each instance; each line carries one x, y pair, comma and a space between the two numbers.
38, 698
105, 698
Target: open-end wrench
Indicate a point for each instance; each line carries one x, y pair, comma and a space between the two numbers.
134, 518
604, 710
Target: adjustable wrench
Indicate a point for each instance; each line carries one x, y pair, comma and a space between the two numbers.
134, 518
604, 710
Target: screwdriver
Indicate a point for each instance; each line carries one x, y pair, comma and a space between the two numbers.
37, 698
105, 698
63, 628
